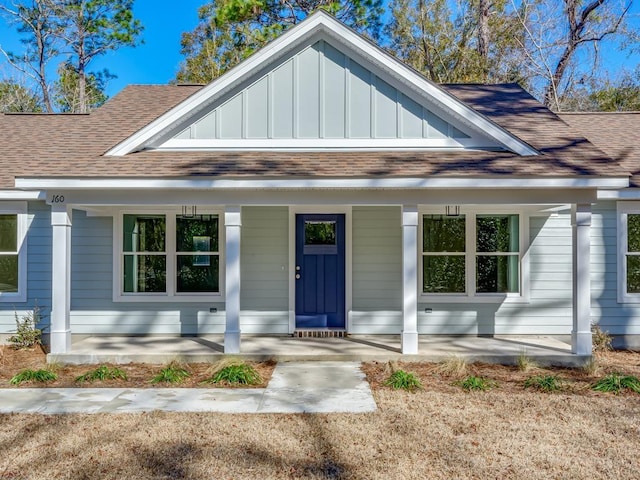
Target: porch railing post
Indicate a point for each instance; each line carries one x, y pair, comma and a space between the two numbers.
232, 223
409, 335
581, 245
61, 278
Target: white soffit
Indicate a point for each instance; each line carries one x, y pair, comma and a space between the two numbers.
320, 23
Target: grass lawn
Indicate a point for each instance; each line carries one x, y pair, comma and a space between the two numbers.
440, 431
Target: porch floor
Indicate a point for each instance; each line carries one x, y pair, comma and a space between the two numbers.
161, 349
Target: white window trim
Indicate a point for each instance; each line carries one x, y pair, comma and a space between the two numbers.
170, 296
624, 209
470, 254
19, 209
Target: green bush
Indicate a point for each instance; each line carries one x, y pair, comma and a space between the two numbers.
476, 383
39, 376
544, 383
403, 380
174, 372
616, 382
27, 335
235, 374
102, 373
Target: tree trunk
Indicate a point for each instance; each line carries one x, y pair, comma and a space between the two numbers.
484, 9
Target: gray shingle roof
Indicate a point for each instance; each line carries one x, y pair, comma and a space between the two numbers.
616, 133
73, 145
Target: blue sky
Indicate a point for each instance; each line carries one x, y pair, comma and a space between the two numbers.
157, 60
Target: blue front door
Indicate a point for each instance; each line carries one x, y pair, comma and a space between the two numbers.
320, 281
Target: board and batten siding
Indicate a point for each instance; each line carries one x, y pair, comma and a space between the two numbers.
38, 270
320, 93
377, 270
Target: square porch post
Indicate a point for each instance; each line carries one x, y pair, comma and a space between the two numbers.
61, 278
409, 335
232, 223
581, 245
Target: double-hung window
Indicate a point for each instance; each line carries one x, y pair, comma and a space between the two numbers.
472, 255
13, 252
629, 252
167, 255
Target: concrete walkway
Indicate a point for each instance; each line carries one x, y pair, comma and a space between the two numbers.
297, 387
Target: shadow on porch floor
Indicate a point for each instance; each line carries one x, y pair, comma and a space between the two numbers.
161, 349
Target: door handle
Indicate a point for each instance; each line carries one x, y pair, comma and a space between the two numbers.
297, 276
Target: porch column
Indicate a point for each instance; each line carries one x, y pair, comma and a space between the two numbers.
581, 227
60, 278
409, 334
232, 223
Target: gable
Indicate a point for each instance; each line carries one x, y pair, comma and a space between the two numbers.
320, 85
321, 93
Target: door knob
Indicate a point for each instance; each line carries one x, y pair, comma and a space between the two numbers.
297, 276
297, 268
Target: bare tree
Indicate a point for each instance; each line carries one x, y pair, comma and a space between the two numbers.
558, 35
36, 20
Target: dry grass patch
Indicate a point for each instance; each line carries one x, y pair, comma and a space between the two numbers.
138, 375
427, 434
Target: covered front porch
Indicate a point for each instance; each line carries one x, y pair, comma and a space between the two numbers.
388, 309
544, 350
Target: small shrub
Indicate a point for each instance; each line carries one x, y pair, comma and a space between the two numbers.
544, 383
174, 372
27, 335
102, 373
476, 383
39, 376
454, 366
600, 339
403, 380
616, 382
525, 363
237, 373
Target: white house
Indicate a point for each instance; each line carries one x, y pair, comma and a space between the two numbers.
320, 184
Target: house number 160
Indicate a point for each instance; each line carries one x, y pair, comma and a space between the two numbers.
57, 199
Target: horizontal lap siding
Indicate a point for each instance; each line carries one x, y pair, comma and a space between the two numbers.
549, 310
38, 270
616, 318
93, 310
377, 270
264, 295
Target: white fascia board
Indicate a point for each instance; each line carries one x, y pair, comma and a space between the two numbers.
626, 194
21, 195
314, 144
337, 183
271, 52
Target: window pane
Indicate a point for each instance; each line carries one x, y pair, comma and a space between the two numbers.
198, 234
443, 234
319, 233
633, 233
8, 233
144, 233
497, 274
8, 273
633, 274
198, 273
145, 273
444, 274
497, 233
